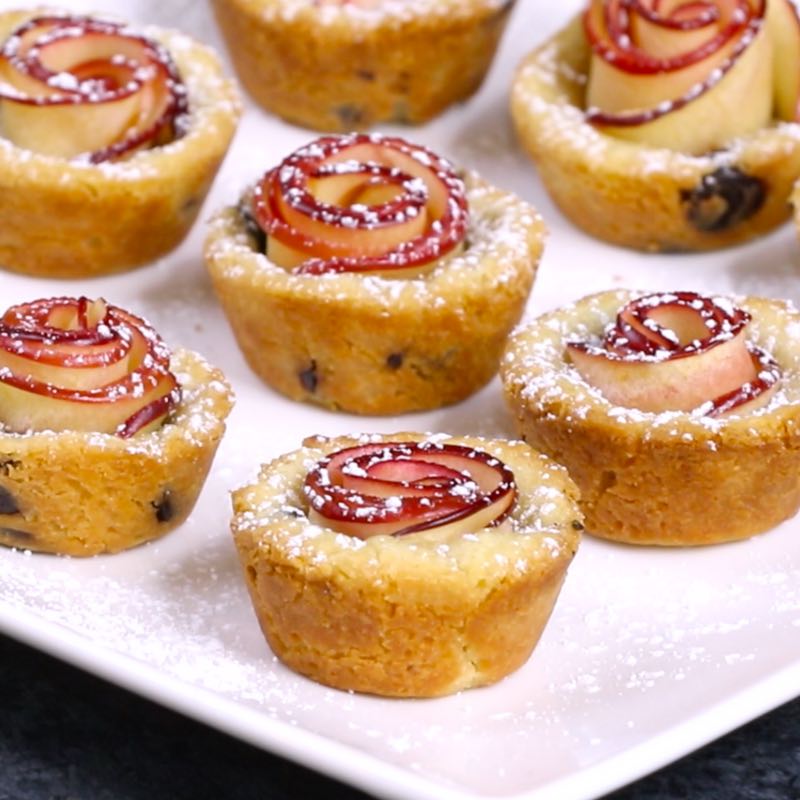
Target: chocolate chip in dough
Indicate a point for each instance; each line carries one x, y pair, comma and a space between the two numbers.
253, 228
722, 199
350, 116
8, 465
163, 507
394, 360
8, 504
309, 379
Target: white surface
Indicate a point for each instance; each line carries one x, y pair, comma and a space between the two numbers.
648, 654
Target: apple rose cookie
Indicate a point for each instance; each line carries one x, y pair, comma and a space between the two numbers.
677, 415
109, 141
667, 125
365, 275
105, 437
407, 566
339, 65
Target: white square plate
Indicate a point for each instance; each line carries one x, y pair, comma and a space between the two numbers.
648, 654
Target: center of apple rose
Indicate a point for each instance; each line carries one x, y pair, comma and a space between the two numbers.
679, 351
361, 203
82, 365
399, 488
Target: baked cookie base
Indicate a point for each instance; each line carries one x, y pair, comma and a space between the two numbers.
637, 196
372, 345
409, 616
81, 494
378, 65
661, 479
67, 219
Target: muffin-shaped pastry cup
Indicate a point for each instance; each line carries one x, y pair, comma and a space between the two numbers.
381, 61
74, 219
375, 345
415, 615
673, 478
81, 494
637, 196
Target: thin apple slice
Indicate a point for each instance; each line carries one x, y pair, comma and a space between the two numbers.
783, 19
399, 488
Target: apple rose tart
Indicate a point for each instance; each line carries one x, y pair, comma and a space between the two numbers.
106, 437
364, 274
109, 141
667, 125
407, 565
382, 61
678, 415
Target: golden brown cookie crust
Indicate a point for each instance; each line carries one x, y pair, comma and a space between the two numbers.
637, 196
81, 494
413, 616
66, 219
398, 62
667, 479
372, 345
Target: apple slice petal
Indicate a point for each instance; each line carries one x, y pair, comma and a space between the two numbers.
783, 19
399, 488
361, 203
678, 352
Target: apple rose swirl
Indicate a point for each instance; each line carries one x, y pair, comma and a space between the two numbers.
676, 413
356, 234
682, 352
406, 565
77, 86
398, 488
361, 203
82, 365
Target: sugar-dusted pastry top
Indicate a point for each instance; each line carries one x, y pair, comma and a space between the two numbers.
498, 236
542, 508
539, 366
